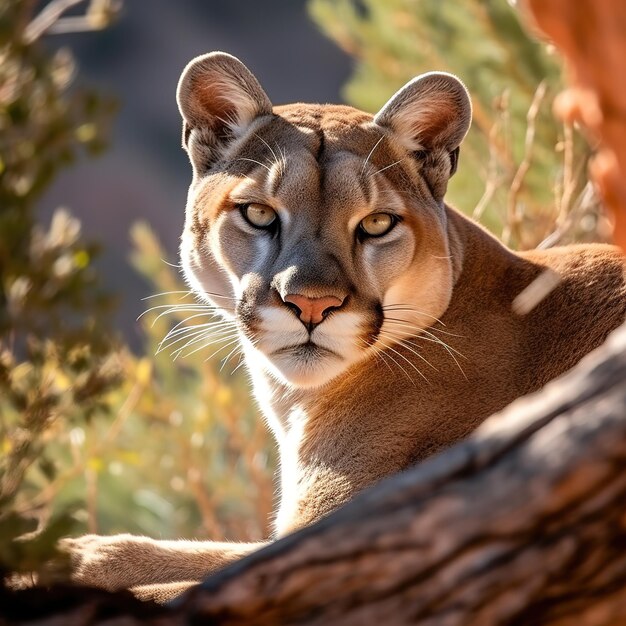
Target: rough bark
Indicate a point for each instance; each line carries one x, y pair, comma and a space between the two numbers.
523, 523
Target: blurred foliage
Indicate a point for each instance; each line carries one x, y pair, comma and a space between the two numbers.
185, 453
92, 437
521, 173
56, 359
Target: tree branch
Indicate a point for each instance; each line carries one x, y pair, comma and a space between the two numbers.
523, 523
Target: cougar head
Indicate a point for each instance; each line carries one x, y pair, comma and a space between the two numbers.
319, 230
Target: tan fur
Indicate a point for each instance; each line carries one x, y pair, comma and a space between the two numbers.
408, 381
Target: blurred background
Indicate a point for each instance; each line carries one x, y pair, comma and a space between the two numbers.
101, 429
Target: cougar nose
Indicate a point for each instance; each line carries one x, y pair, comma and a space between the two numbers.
312, 310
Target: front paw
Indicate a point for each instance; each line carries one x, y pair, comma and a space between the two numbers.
112, 563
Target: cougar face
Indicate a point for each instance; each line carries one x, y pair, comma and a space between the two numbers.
312, 227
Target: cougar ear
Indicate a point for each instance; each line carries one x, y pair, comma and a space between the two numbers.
431, 111
218, 95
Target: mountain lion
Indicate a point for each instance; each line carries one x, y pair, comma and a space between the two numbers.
378, 324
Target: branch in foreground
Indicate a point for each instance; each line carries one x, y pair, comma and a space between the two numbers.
521, 524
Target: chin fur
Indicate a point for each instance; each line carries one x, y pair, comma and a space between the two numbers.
304, 372
288, 354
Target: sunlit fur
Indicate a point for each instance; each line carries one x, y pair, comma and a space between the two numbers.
428, 307
434, 335
321, 188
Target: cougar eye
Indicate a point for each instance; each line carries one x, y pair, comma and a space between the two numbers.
259, 215
377, 224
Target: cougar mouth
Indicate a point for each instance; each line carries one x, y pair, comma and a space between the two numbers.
308, 349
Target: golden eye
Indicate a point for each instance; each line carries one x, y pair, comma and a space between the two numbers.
377, 224
259, 215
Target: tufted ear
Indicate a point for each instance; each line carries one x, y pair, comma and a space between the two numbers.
432, 111
219, 96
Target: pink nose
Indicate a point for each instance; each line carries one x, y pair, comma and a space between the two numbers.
312, 310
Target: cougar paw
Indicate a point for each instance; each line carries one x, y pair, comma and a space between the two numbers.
107, 562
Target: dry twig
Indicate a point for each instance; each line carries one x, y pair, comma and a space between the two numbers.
512, 226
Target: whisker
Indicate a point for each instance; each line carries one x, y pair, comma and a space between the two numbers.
402, 322
382, 169
193, 337
191, 317
283, 154
162, 345
396, 362
191, 340
180, 328
377, 353
230, 343
387, 347
443, 343
192, 331
382, 354
407, 307
409, 362
369, 156
212, 325
219, 295
167, 293
176, 308
242, 360
449, 349
184, 305
200, 312
268, 145
404, 343
192, 292
254, 161
229, 338
421, 331
227, 357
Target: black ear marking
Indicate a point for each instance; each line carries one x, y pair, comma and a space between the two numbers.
454, 160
